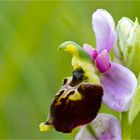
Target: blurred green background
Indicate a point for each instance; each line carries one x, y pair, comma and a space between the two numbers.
31, 68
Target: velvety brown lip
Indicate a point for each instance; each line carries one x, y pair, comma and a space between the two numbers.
68, 114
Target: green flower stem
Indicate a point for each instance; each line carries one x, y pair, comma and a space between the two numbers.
126, 127
91, 130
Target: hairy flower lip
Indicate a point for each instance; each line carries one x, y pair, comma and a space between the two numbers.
75, 106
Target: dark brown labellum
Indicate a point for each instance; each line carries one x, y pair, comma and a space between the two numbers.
75, 106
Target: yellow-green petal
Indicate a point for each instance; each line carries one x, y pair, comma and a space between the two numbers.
74, 49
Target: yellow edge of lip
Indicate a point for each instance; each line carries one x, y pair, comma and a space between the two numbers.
45, 128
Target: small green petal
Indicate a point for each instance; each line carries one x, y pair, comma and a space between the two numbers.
74, 49
135, 107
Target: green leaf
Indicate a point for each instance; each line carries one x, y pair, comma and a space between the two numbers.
135, 107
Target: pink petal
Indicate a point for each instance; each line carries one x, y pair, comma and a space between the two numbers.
90, 50
119, 85
103, 26
106, 127
103, 61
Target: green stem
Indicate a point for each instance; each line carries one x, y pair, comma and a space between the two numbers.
91, 130
126, 127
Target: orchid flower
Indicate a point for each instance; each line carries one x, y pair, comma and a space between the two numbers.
79, 98
76, 103
118, 82
94, 76
106, 127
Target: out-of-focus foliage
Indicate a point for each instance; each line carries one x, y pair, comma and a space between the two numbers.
31, 68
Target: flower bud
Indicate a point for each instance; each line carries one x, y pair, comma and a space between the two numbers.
129, 44
123, 29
